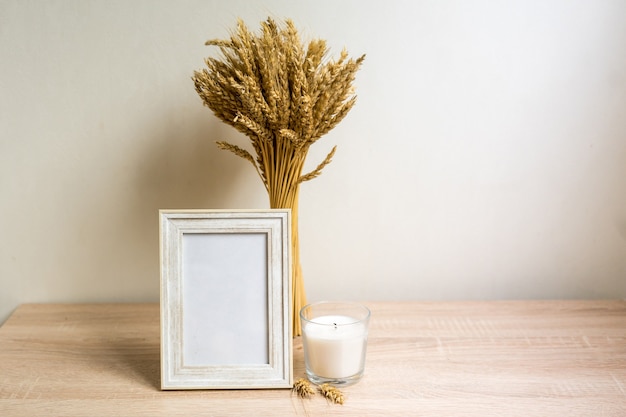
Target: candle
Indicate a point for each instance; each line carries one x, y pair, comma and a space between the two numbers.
334, 346
334, 336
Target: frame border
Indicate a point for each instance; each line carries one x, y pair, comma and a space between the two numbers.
276, 223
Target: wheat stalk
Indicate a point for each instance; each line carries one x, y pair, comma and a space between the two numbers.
331, 393
303, 388
284, 96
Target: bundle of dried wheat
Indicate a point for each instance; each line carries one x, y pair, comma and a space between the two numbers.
284, 97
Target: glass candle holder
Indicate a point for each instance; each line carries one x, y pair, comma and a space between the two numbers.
334, 337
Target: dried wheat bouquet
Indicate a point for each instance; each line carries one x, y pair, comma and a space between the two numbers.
284, 96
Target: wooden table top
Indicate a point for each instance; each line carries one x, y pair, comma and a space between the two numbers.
508, 358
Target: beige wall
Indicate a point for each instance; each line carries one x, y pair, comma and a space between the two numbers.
485, 159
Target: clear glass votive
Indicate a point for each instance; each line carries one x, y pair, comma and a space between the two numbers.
334, 337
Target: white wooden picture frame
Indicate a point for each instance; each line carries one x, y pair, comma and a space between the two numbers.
225, 293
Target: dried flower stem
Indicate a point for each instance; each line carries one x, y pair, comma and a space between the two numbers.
331, 393
303, 388
284, 97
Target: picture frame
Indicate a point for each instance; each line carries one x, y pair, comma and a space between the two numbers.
225, 294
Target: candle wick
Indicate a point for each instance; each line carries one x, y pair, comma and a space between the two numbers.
335, 325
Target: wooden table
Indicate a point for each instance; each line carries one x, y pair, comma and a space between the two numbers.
536, 358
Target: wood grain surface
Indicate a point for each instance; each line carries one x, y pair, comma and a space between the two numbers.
508, 358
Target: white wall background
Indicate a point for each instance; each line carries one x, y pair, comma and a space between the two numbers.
485, 158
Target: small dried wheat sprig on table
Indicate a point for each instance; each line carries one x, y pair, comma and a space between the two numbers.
331, 393
303, 388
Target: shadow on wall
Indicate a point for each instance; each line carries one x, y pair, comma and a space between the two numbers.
175, 164
184, 169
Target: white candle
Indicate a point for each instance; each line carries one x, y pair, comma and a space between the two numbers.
335, 346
